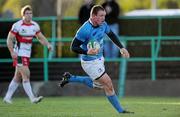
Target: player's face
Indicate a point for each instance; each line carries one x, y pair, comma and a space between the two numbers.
100, 17
27, 15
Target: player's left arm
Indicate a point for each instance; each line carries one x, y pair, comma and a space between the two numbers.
115, 39
43, 40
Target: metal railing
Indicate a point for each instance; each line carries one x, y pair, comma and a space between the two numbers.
122, 73
154, 40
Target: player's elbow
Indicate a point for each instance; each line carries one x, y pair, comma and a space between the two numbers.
72, 48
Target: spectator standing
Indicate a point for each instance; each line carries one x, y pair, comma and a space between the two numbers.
84, 12
113, 11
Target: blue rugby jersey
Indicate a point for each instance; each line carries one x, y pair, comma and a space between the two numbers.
89, 32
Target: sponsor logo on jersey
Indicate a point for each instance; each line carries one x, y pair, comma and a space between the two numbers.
23, 31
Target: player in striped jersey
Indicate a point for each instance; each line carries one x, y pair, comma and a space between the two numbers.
22, 33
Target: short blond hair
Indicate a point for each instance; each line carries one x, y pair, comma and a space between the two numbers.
96, 8
25, 8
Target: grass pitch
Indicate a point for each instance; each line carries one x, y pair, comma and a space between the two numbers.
91, 107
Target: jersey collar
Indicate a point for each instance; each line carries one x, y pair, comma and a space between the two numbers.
27, 24
92, 24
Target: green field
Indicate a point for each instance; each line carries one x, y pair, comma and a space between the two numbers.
91, 107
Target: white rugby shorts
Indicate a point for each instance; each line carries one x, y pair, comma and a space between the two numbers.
94, 68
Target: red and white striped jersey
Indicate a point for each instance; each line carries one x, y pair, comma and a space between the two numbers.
24, 34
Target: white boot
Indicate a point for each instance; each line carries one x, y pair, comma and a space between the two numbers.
8, 101
37, 99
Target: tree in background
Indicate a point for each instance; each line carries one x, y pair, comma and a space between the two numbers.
2, 2
44, 7
71, 7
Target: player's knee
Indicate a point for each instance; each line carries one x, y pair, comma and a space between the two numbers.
109, 86
17, 79
26, 77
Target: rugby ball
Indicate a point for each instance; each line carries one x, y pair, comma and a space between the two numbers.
93, 45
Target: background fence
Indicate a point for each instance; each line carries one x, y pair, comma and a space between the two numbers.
149, 40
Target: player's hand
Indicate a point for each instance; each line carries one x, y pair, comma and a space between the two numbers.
92, 51
49, 46
124, 53
14, 55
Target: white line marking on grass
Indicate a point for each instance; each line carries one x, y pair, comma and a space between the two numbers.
157, 103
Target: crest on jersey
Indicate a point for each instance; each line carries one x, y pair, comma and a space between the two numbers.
23, 31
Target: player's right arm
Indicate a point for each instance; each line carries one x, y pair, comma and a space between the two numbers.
10, 44
79, 39
76, 47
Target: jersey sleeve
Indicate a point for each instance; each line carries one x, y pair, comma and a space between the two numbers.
37, 28
107, 29
14, 30
81, 34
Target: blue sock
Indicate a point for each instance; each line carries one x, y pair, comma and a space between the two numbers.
114, 101
82, 79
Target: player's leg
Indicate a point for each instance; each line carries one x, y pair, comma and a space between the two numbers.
25, 72
90, 67
69, 78
110, 93
12, 86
